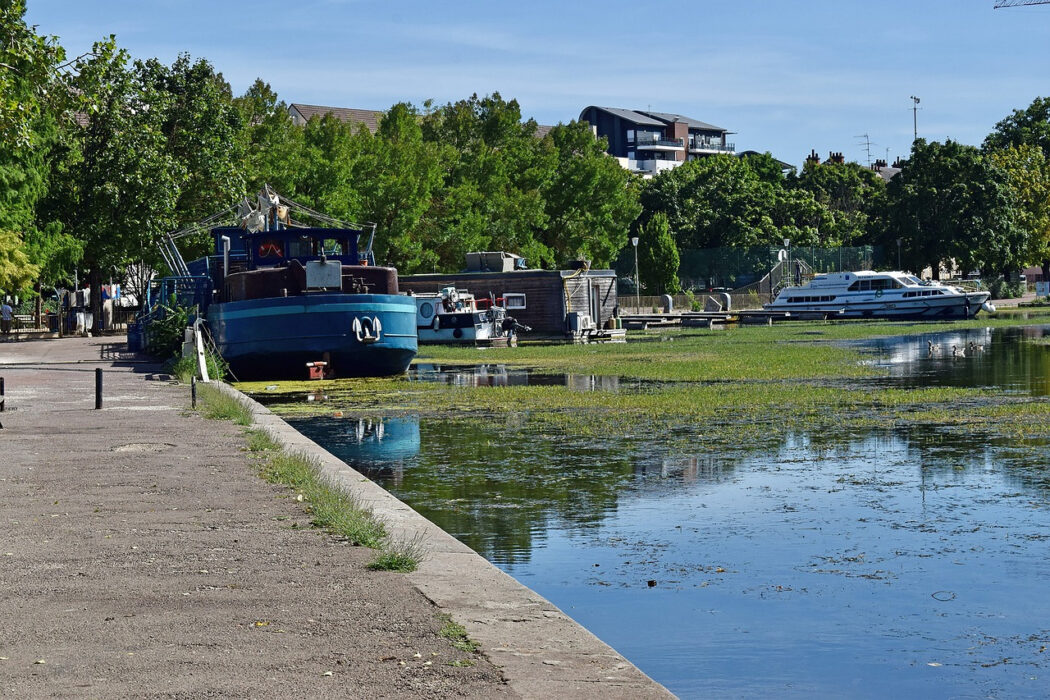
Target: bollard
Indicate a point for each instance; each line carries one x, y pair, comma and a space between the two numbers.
193, 393
98, 388
2, 399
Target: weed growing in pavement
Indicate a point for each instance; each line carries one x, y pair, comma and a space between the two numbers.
261, 441
457, 634
402, 556
332, 508
218, 405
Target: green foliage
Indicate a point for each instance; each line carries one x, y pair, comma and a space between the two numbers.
1001, 288
951, 202
15, 269
166, 331
1030, 126
399, 178
851, 200
457, 633
215, 404
400, 556
492, 197
261, 441
658, 257
590, 201
28, 76
183, 367
722, 201
272, 146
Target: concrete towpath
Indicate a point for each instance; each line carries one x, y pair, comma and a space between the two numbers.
141, 556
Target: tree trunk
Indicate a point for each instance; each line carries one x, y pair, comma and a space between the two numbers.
936, 267
95, 283
39, 288
1046, 270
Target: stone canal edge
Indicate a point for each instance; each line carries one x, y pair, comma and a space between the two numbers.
542, 652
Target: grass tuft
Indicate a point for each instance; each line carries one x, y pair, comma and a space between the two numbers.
402, 556
218, 405
331, 508
457, 634
261, 441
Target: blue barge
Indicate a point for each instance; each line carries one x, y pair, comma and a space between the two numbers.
280, 295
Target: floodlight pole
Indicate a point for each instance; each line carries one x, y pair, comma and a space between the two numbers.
899, 254
915, 117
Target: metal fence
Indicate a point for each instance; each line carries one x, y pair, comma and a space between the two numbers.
732, 268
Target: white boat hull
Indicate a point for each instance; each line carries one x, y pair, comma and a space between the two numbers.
901, 297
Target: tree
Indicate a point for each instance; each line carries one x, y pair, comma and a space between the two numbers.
398, 179
122, 186
1028, 173
1029, 126
16, 272
851, 196
589, 200
950, 202
28, 70
34, 104
492, 197
658, 257
200, 126
720, 201
271, 145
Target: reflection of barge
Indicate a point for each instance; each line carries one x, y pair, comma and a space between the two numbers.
893, 295
286, 295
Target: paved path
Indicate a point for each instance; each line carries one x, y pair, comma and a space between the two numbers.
141, 556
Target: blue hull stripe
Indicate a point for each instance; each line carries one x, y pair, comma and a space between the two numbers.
220, 313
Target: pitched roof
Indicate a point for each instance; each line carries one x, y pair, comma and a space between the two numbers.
693, 123
369, 117
630, 115
542, 130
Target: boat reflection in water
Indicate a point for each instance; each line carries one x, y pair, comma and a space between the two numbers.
501, 375
380, 448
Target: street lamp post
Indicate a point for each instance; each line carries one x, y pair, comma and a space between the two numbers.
787, 261
899, 240
637, 286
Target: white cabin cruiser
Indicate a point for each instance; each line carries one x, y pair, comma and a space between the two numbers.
455, 316
867, 294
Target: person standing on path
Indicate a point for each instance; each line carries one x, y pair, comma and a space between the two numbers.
6, 313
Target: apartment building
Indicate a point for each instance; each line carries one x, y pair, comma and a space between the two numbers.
649, 142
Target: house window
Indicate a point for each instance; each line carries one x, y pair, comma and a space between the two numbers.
630, 136
514, 301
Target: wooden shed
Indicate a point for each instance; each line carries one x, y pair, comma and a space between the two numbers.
560, 303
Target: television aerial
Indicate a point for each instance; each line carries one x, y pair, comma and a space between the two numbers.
1018, 3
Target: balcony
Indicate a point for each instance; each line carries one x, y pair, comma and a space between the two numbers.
704, 146
651, 167
656, 142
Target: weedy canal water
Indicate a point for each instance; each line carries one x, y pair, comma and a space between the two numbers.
884, 562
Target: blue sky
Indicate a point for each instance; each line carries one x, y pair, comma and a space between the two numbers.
786, 76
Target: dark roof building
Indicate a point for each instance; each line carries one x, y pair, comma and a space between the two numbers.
369, 117
648, 142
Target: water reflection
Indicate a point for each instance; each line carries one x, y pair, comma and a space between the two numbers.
861, 563
1005, 358
501, 375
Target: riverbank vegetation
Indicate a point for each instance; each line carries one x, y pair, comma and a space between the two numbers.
716, 389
